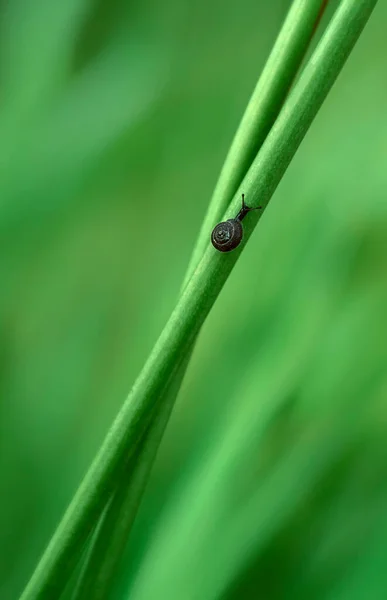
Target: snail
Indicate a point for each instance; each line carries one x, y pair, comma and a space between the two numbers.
228, 235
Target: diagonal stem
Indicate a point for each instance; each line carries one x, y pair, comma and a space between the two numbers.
261, 112
108, 546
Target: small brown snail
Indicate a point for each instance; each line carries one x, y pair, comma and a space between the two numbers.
228, 235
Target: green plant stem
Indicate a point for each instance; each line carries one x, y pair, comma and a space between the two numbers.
197, 299
263, 108
73, 586
108, 546
261, 112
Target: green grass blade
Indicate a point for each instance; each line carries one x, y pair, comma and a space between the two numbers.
263, 108
197, 299
109, 544
261, 112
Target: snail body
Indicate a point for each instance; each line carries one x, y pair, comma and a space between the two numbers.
228, 235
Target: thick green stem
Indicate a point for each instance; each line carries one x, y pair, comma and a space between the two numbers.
272, 87
108, 546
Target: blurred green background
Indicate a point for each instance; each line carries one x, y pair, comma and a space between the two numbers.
115, 118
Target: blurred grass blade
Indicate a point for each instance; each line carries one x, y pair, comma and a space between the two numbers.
124, 81
197, 299
36, 43
262, 110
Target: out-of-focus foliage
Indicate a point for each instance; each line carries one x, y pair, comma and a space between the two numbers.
115, 118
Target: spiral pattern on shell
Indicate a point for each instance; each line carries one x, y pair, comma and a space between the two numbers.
227, 235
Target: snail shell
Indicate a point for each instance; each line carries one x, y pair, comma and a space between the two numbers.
227, 235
